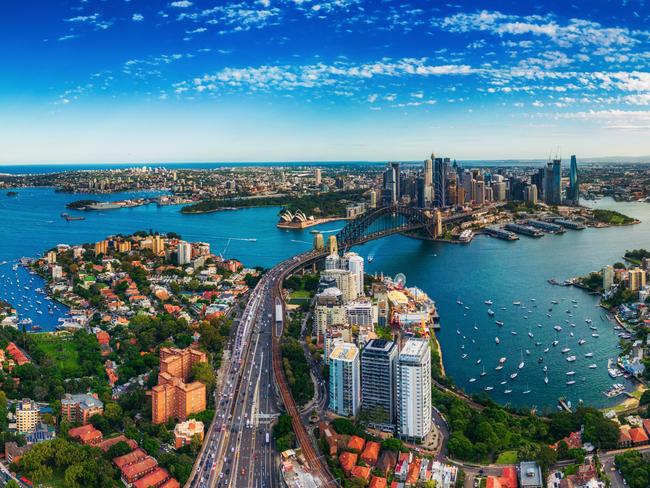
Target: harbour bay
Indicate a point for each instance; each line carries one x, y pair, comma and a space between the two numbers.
504, 272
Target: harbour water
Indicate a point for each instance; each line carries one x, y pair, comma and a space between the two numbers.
486, 269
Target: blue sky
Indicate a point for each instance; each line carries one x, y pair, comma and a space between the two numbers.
254, 80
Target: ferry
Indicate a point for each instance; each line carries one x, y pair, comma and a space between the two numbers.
466, 236
498, 322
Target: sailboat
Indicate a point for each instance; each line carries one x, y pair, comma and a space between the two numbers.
521, 364
526, 391
546, 379
483, 373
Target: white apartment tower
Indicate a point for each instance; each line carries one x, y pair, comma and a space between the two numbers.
414, 390
345, 383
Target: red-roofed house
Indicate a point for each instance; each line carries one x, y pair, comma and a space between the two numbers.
377, 482
170, 483
16, 354
348, 460
130, 458
371, 453
414, 472
362, 472
508, 479
638, 436
135, 471
331, 437
106, 444
86, 434
356, 443
573, 441
153, 480
624, 438
103, 338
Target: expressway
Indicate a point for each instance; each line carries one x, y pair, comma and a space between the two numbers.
236, 450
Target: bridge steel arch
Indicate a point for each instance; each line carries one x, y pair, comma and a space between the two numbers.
356, 231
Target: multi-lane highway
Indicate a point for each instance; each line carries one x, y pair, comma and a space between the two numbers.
237, 449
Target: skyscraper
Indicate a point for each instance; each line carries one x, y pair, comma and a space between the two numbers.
389, 191
553, 182
378, 366
184, 252
414, 390
608, 277
574, 182
398, 187
345, 385
428, 182
440, 182
317, 176
355, 266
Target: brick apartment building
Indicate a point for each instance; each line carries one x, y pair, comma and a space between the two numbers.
172, 397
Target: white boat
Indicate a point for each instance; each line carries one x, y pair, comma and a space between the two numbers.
565, 350
472, 380
464, 356
570, 373
488, 302
530, 334
503, 382
555, 343
589, 321
513, 376
497, 340
571, 334
483, 373
478, 361
459, 302
595, 335
490, 312
547, 349
589, 355
571, 359
475, 327
571, 382
526, 391
516, 304
554, 302
581, 342
488, 388
457, 332
498, 368
558, 328
593, 366
527, 352
498, 322
545, 368
546, 379
507, 392
513, 332
521, 364
502, 360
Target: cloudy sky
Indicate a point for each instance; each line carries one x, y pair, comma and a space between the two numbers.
301, 80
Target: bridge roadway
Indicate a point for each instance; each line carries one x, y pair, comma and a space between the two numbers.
235, 452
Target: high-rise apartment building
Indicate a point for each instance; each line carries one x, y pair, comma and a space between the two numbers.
184, 252
345, 384
608, 277
573, 193
355, 266
28, 415
80, 407
378, 369
636, 279
317, 176
157, 245
345, 281
414, 389
389, 190
179, 362
329, 310
530, 194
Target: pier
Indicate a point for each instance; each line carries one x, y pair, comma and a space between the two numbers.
524, 230
501, 233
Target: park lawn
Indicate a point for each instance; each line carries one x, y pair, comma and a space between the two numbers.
507, 457
62, 349
299, 297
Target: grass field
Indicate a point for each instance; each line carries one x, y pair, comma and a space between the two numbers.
299, 297
507, 457
62, 349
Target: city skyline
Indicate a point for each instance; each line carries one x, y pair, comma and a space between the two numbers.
275, 80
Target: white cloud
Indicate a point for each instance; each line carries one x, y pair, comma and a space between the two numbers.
181, 4
137, 17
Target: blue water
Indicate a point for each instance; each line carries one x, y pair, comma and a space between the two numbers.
485, 269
